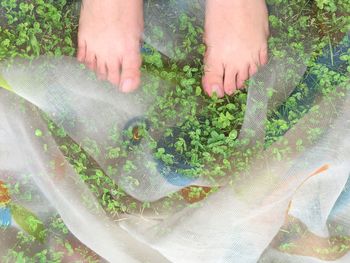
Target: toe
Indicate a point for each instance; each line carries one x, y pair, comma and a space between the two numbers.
230, 84
213, 82
253, 69
131, 74
213, 79
101, 69
90, 60
242, 76
113, 72
263, 56
81, 53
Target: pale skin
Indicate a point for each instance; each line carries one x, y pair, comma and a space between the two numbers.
236, 33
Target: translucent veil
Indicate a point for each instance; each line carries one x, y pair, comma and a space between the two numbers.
290, 194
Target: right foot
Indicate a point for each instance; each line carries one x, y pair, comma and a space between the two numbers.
236, 33
109, 38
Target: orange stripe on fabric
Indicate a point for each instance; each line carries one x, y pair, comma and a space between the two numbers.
317, 172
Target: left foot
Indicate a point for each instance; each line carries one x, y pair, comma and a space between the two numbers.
109, 40
236, 34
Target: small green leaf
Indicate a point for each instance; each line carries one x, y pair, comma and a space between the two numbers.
69, 248
29, 222
198, 91
4, 84
233, 134
38, 133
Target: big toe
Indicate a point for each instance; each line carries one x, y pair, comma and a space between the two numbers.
213, 79
131, 74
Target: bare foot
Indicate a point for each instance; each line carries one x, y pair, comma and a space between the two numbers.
236, 34
109, 40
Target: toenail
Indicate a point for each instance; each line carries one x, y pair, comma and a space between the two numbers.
126, 85
217, 90
230, 91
